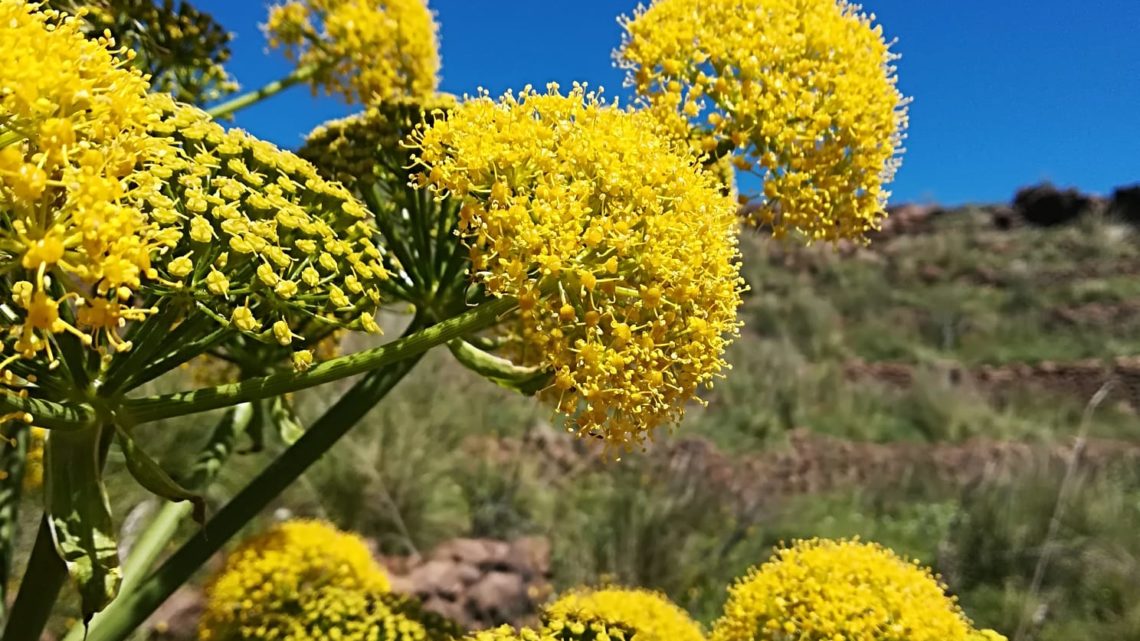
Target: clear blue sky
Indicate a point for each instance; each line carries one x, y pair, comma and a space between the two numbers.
1006, 92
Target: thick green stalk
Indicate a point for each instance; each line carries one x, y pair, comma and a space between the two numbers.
233, 105
39, 589
153, 408
125, 614
162, 528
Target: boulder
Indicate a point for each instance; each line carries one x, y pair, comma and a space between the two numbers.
177, 618
1126, 203
498, 597
1046, 206
478, 583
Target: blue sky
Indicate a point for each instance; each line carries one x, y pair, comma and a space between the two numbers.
1006, 92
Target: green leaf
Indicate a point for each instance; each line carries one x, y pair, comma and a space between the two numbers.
150, 475
13, 452
80, 516
289, 427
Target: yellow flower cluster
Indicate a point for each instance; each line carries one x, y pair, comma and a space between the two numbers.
649, 615
803, 89
297, 578
365, 50
73, 137
822, 590
372, 145
267, 244
109, 197
619, 248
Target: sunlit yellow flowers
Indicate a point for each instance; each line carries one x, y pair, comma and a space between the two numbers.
265, 244
364, 50
821, 590
620, 250
299, 573
803, 90
649, 615
115, 204
73, 140
306, 580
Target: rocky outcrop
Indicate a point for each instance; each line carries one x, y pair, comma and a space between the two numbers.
1125, 203
1046, 206
907, 218
478, 583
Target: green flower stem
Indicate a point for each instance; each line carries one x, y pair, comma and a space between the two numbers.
76, 416
153, 408
39, 589
489, 365
48, 414
162, 528
129, 611
229, 107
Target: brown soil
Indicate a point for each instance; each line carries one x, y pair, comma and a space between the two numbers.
1077, 379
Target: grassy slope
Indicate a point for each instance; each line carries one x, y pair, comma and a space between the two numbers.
965, 294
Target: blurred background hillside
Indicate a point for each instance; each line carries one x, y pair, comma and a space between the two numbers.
949, 390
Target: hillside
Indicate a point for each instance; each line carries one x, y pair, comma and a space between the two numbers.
931, 391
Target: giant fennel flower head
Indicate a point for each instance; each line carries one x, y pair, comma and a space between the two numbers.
820, 590
301, 580
650, 616
73, 145
268, 245
372, 145
364, 50
803, 90
116, 203
620, 250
